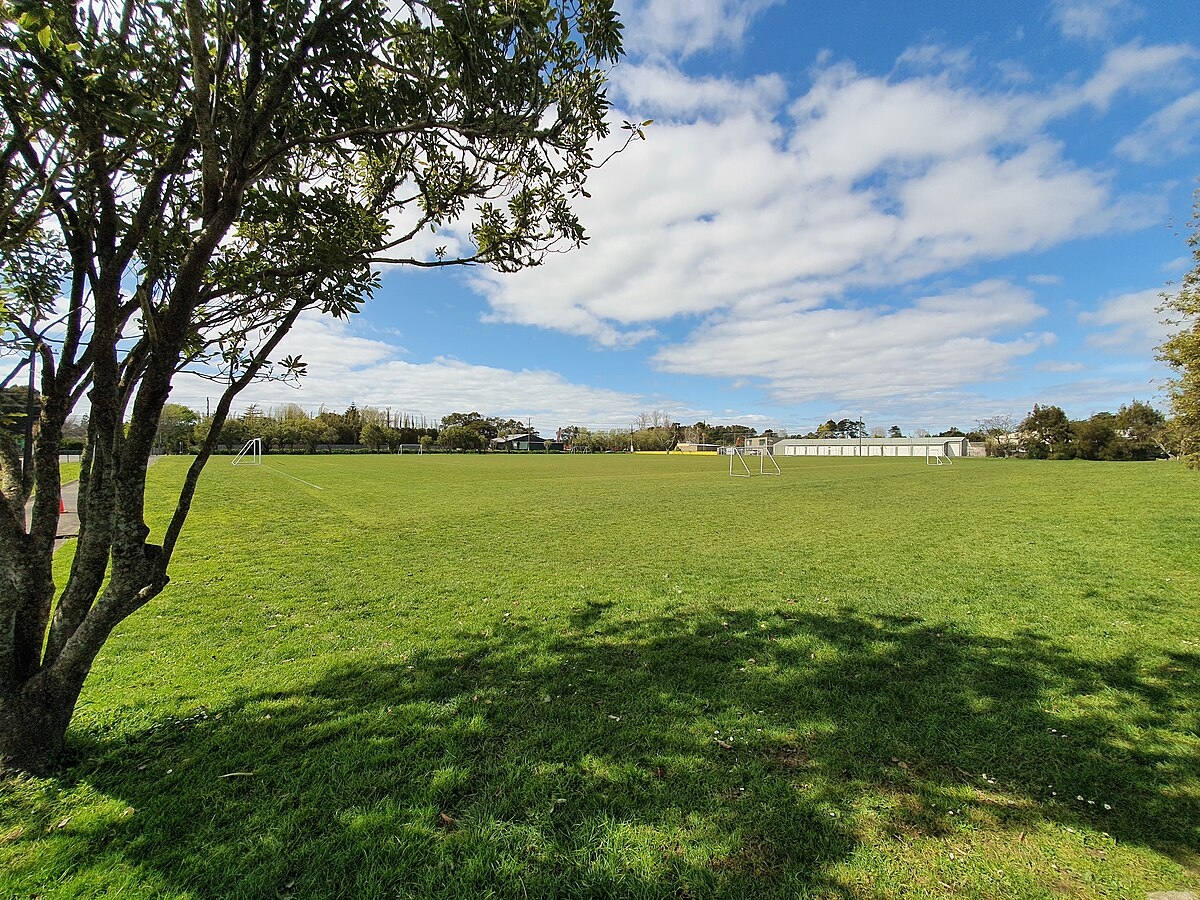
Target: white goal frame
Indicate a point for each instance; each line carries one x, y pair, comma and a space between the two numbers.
250, 455
937, 457
738, 452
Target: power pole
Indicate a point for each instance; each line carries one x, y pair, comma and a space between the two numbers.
30, 414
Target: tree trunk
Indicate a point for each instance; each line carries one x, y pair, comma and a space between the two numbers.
33, 724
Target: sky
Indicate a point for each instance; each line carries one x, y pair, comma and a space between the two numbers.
921, 213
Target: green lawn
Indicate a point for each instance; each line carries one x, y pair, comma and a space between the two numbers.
633, 676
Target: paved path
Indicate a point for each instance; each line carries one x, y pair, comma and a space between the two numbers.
68, 520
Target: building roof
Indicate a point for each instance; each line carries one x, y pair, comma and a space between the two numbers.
873, 441
524, 436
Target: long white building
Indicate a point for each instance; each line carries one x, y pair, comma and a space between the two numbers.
926, 446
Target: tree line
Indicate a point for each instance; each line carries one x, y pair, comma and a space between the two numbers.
1136, 431
290, 428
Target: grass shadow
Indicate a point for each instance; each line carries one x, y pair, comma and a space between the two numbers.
701, 754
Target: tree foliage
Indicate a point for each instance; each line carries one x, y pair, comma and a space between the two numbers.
1044, 431
1181, 352
460, 437
181, 181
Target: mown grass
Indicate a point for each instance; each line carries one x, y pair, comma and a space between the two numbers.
634, 676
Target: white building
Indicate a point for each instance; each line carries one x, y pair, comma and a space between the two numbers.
926, 446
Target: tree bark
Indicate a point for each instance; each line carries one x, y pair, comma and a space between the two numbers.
33, 723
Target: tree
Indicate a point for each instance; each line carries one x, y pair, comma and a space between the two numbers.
998, 433
1142, 427
374, 436
1044, 431
176, 426
1095, 438
1181, 352
843, 428
485, 427
194, 177
461, 437
729, 434
895, 432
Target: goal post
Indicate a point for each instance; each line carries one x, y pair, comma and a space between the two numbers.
937, 457
249, 455
739, 468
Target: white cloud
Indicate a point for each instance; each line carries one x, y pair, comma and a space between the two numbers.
344, 367
739, 234
1128, 324
982, 206
676, 96
1172, 132
937, 343
1092, 20
729, 207
850, 125
681, 28
1060, 367
938, 58
1133, 67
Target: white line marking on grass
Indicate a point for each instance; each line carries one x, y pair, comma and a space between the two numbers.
294, 478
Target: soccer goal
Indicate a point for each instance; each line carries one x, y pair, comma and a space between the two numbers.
936, 457
739, 468
250, 455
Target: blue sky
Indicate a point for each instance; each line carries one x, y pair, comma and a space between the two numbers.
918, 213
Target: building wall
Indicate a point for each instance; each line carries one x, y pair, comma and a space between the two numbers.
884, 447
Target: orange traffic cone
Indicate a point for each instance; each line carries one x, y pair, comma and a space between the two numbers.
62, 507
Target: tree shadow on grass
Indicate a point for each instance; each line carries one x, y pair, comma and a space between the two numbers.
705, 753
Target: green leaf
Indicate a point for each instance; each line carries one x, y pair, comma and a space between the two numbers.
44, 37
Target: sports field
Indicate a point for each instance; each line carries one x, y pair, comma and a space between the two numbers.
634, 676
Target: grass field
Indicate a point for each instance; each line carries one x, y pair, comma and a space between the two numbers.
633, 676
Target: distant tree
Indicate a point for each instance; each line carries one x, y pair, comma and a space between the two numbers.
373, 436
462, 437
352, 423
234, 433
999, 434
1044, 432
951, 432
1094, 438
895, 432
852, 428
14, 409
310, 434
729, 434
505, 427
651, 439
1142, 427
843, 428
485, 427
1181, 352
176, 428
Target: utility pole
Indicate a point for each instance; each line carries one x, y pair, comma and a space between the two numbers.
30, 415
